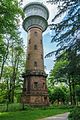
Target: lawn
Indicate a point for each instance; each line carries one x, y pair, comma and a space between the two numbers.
32, 114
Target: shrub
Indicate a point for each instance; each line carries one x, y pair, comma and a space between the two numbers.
74, 114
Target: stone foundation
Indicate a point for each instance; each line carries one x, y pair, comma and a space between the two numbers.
35, 100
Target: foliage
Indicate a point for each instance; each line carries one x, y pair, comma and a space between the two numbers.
67, 69
66, 35
3, 92
78, 92
67, 31
9, 11
74, 114
31, 113
58, 95
11, 50
58, 73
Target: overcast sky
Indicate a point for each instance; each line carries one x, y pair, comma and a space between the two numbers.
48, 62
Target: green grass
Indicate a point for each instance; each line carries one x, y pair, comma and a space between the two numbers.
32, 113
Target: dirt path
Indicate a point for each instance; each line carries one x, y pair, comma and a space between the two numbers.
58, 117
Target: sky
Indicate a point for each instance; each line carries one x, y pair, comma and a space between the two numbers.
47, 45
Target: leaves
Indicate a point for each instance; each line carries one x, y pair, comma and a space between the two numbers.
9, 13
11, 45
66, 31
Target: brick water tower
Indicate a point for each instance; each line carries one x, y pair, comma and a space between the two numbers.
35, 23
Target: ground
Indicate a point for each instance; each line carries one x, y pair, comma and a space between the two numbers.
58, 117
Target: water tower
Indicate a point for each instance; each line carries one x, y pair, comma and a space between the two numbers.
35, 23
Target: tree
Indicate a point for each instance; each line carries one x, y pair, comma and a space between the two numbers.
58, 94
9, 11
66, 69
14, 68
78, 93
11, 46
66, 35
9, 22
17, 63
66, 32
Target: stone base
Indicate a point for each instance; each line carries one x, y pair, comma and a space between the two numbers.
35, 100
35, 91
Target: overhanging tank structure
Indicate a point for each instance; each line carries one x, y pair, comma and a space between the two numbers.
34, 87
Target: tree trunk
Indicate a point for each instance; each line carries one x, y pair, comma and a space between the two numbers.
70, 89
74, 95
4, 59
13, 79
13, 87
7, 101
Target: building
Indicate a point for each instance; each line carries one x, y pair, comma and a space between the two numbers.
35, 23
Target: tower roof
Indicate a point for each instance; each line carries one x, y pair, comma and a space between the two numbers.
37, 4
36, 15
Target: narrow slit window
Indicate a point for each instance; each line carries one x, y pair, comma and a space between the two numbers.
29, 41
28, 57
44, 85
35, 33
41, 41
35, 64
41, 56
35, 47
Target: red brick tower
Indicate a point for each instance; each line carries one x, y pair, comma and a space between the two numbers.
34, 88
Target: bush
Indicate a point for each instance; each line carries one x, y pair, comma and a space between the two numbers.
74, 114
11, 107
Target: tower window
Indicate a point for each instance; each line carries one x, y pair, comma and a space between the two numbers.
35, 84
44, 85
35, 33
41, 56
28, 57
41, 41
45, 97
35, 47
35, 64
29, 41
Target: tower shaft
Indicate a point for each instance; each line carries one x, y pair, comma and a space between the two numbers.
35, 50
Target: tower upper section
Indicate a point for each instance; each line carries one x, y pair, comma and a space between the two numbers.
36, 15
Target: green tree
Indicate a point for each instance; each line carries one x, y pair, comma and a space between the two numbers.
67, 30
10, 13
66, 69
11, 46
66, 35
58, 94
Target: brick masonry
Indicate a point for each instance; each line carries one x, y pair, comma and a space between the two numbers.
34, 88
